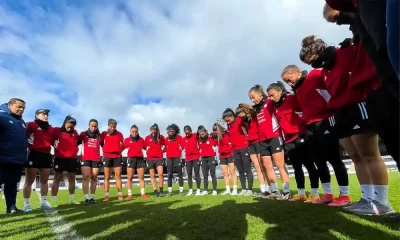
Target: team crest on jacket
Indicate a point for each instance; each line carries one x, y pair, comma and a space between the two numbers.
208, 142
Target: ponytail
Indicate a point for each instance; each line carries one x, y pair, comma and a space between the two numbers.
259, 89
279, 86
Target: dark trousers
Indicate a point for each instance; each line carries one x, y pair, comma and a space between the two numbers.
190, 166
243, 164
10, 175
298, 153
324, 147
393, 34
208, 165
177, 164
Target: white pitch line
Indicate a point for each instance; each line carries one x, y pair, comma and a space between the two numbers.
61, 228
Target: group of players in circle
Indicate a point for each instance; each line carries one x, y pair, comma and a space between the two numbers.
325, 106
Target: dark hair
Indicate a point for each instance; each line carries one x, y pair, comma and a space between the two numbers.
290, 69
259, 89
228, 113
68, 119
187, 127
155, 127
112, 121
311, 45
174, 127
13, 101
200, 128
278, 85
134, 126
247, 110
93, 120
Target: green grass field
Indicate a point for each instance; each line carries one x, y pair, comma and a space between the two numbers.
202, 217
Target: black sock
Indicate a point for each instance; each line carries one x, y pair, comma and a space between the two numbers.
161, 189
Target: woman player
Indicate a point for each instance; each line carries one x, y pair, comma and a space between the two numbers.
39, 133
355, 132
66, 150
271, 142
173, 149
192, 159
208, 161
312, 95
155, 150
253, 138
240, 150
221, 136
90, 160
112, 158
135, 145
288, 114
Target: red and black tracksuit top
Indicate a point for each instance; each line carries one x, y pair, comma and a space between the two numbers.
252, 131
191, 146
225, 149
66, 144
135, 147
155, 149
268, 125
90, 147
39, 140
207, 147
173, 147
237, 134
112, 144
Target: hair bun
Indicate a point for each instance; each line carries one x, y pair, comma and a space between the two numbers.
309, 40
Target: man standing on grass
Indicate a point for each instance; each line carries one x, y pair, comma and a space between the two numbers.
13, 149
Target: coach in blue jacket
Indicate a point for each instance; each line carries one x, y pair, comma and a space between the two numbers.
13, 149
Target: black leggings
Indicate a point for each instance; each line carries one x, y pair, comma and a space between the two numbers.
171, 163
298, 153
10, 175
323, 145
243, 164
190, 165
209, 164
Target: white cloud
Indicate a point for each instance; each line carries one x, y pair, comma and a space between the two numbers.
199, 57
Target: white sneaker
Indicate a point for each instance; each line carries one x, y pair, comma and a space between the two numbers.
243, 192
27, 208
190, 193
226, 192
234, 192
214, 193
198, 192
204, 193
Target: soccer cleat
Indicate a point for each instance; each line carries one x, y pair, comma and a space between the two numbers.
190, 193
243, 192
234, 192
226, 192
204, 193
86, 202
312, 198
325, 199
297, 198
74, 202
284, 196
27, 209
106, 199
214, 193
144, 196
129, 197
198, 192
120, 197
266, 195
14, 210
161, 194
373, 208
275, 195
92, 201
249, 193
45, 207
358, 204
341, 201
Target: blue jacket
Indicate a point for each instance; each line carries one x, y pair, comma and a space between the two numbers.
13, 140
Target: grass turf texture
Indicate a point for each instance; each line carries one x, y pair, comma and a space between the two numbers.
204, 217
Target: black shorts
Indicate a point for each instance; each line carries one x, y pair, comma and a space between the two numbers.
39, 160
225, 161
254, 148
154, 164
91, 163
352, 119
136, 162
271, 146
69, 165
112, 162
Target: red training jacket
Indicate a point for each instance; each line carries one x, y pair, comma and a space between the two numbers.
90, 147
224, 146
135, 148
155, 150
112, 144
65, 144
206, 148
173, 148
237, 134
288, 115
39, 140
313, 97
252, 131
191, 146
268, 125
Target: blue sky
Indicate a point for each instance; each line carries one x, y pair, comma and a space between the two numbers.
142, 62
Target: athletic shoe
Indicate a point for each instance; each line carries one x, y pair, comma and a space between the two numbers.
27, 209
341, 201
226, 192
393, 218
86, 202
106, 199
214, 193
198, 192
275, 195
92, 201
120, 197
266, 195
284, 196
358, 204
312, 198
169, 194
325, 199
374, 208
129, 197
298, 197
144, 196
74, 202
234, 192
204, 193
243, 192
45, 207
190, 193
249, 193
14, 210
161, 194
